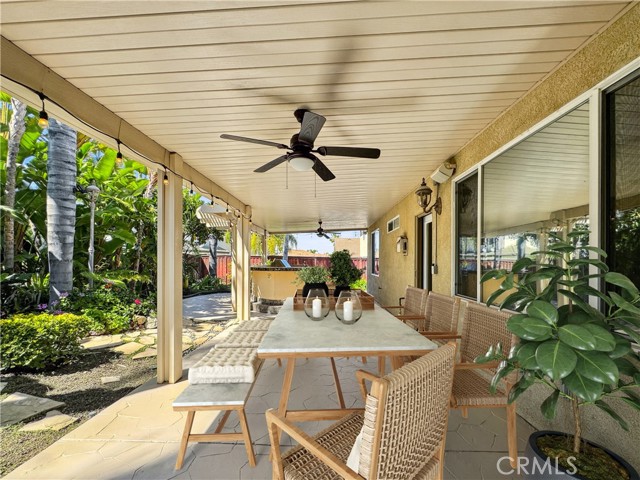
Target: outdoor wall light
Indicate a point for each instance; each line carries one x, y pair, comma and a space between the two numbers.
43, 120
402, 245
424, 194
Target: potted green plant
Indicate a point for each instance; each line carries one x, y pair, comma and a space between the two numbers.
314, 277
581, 353
343, 271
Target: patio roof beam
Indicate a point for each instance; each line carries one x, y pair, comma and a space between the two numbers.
23, 69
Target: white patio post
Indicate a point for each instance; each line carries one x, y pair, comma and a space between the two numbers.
242, 261
234, 266
170, 273
264, 248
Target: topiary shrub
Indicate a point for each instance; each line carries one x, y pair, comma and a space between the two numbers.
40, 341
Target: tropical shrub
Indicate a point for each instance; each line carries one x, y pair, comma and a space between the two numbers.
209, 285
343, 271
42, 340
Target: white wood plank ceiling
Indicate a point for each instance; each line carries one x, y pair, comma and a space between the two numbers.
416, 79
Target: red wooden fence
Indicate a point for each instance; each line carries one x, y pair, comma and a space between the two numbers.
224, 264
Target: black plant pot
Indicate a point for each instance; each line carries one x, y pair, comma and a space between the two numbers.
340, 288
311, 286
541, 467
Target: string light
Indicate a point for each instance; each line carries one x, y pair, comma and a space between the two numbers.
191, 191
43, 121
165, 180
119, 154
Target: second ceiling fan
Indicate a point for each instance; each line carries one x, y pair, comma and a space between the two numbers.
301, 155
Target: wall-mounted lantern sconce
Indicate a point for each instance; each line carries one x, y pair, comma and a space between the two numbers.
402, 245
424, 194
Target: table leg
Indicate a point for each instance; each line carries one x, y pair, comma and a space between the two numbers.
286, 386
337, 382
396, 362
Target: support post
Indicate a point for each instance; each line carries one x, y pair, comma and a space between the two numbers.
170, 273
265, 257
242, 249
234, 266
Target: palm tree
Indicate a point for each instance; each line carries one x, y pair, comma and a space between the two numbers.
17, 127
61, 207
289, 240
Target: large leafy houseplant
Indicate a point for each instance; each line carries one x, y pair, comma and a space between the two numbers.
315, 274
582, 353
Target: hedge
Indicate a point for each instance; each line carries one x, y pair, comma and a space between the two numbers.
41, 340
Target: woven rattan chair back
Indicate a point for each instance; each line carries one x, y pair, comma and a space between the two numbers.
415, 300
482, 327
442, 312
406, 417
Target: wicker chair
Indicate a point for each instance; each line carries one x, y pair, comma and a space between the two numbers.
441, 317
403, 428
413, 307
483, 327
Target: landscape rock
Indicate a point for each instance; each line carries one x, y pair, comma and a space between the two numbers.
128, 348
103, 341
140, 320
114, 379
149, 352
55, 420
146, 340
20, 406
152, 322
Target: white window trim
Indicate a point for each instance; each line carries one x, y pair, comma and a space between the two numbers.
397, 217
372, 255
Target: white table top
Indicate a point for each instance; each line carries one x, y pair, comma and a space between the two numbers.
293, 334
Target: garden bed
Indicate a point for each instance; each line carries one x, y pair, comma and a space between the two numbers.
79, 385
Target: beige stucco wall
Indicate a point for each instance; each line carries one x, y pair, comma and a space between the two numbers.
614, 48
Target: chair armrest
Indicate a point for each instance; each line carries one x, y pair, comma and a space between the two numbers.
276, 421
440, 335
361, 376
476, 366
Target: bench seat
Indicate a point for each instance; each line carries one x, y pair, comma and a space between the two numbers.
226, 397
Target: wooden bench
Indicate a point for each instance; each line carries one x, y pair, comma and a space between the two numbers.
225, 397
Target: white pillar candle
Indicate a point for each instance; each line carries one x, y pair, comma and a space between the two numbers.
316, 308
348, 311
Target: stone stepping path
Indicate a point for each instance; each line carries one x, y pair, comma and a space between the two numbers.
54, 420
20, 406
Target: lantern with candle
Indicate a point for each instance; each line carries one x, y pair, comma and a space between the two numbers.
316, 305
348, 307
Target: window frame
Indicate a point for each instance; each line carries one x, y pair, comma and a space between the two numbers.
374, 240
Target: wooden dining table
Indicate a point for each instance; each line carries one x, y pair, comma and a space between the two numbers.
293, 335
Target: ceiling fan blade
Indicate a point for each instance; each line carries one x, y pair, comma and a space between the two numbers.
272, 163
350, 152
326, 236
323, 172
254, 140
311, 125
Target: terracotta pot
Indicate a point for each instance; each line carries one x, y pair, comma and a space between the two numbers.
541, 467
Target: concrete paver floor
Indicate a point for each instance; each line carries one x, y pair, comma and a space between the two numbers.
138, 436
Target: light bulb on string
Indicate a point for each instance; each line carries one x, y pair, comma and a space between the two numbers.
191, 191
165, 180
119, 154
43, 120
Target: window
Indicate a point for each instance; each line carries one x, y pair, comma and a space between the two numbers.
621, 220
536, 188
467, 235
375, 252
393, 224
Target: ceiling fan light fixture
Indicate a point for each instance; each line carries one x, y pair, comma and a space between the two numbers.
301, 163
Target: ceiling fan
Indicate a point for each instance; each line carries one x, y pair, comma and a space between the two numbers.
320, 231
301, 155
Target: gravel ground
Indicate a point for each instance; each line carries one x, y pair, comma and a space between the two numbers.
79, 386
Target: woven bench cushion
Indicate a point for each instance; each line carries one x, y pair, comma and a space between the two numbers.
242, 339
339, 438
226, 365
471, 388
254, 325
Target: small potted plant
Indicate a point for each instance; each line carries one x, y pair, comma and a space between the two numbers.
582, 354
343, 271
314, 277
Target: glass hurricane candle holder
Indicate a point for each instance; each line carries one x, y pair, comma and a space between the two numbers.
316, 305
348, 307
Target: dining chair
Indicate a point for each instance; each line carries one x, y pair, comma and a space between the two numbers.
441, 317
400, 434
483, 327
411, 306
